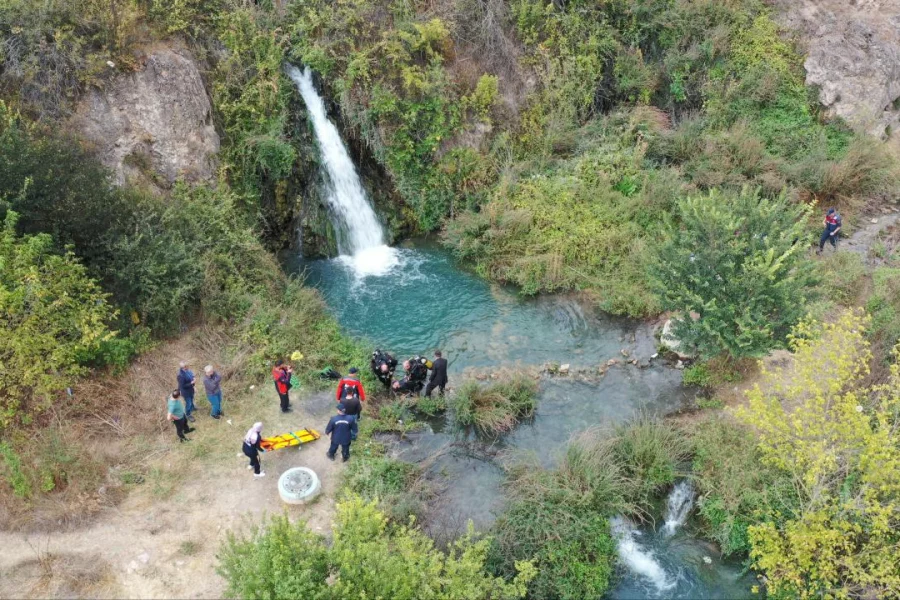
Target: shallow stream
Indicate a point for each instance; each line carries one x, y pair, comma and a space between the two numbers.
424, 301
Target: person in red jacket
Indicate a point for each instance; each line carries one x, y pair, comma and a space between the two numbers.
351, 381
282, 376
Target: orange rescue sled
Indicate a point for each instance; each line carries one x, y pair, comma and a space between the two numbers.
285, 440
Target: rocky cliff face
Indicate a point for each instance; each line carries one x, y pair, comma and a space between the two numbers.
853, 57
155, 124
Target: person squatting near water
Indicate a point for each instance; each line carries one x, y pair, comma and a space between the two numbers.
831, 233
343, 429
176, 414
416, 374
252, 447
383, 366
281, 373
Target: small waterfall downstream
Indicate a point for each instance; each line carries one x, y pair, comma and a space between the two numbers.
638, 558
359, 234
678, 506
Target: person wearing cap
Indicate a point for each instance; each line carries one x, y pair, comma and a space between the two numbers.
351, 381
186, 383
832, 229
342, 429
212, 383
281, 373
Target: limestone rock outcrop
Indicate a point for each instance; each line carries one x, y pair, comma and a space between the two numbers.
853, 56
154, 124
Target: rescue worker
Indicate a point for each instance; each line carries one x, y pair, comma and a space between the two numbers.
348, 382
352, 405
832, 229
404, 386
383, 366
252, 447
417, 372
342, 429
438, 375
281, 373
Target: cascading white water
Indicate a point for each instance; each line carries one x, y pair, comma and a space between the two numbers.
360, 237
678, 506
637, 558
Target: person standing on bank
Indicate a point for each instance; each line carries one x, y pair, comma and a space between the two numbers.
186, 385
831, 233
282, 376
342, 429
351, 381
212, 383
438, 375
175, 413
352, 405
252, 447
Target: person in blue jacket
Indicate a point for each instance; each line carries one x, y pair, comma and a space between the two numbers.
342, 428
186, 383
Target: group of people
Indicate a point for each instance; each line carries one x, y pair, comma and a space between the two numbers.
349, 395
180, 407
416, 369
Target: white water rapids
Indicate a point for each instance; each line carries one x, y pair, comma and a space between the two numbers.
636, 557
359, 234
678, 506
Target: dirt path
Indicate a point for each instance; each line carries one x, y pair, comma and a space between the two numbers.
866, 235
162, 544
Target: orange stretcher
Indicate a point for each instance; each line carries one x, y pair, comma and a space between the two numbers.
285, 440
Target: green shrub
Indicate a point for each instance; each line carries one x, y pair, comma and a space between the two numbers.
697, 374
735, 488
54, 318
738, 261
884, 307
367, 558
841, 275
495, 408
651, 454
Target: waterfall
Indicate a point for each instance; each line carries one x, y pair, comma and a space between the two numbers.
359, 234
636, 557
678, 506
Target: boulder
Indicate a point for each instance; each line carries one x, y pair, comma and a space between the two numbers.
853, 57
670, 343
155, 124
564, 369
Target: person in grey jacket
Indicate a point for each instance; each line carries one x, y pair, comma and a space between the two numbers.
212, 383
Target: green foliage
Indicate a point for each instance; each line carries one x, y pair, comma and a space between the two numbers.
835, 438
697, 374
13, 472
431, 405
54, 50
560, 517
390, 481
738, 261
842, 276
495, 408
736, 489
54, 317
251, 94
884, 306
284, 560
368, 558
192, 17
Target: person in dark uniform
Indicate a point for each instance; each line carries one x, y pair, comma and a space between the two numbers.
352, 405
405, 387
342, 430
416, 373
383, 366
438, 375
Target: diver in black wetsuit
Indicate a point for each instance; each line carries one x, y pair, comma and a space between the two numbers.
383, 366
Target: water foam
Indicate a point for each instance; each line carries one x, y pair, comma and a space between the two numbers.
678, 506
360, 237
637, 558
